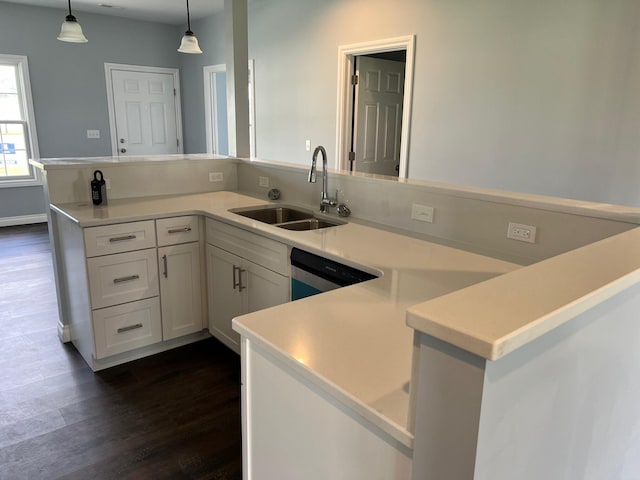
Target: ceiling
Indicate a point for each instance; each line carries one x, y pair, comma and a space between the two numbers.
161, 11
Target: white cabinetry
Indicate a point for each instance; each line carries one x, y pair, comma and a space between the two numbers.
126, 298
180, 276
246, 272
123, 288
123, 277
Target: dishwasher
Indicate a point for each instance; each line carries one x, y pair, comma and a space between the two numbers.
312, 274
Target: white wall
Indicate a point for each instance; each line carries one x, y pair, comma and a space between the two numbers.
562, 407
538, 97
566, 405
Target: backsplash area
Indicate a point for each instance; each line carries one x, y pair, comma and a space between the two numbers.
470, 218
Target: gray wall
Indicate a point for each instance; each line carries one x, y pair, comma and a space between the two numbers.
535, 97
210, 32
68, 80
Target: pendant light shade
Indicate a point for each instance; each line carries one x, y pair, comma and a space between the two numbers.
71, 30
189, 43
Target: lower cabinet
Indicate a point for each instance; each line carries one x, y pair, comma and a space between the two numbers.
126, 327
237, 286
129, 293
180, 293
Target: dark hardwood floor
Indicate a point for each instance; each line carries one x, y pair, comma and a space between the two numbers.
174, 415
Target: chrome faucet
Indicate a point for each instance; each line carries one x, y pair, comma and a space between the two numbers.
325, 202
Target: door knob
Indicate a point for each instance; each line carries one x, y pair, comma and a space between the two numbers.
122, 140
123, 150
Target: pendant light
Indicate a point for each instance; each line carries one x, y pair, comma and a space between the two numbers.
189, 43
71, 30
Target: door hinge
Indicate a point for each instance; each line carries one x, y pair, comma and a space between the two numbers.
177, 142
352, 159
354, 79
174, 92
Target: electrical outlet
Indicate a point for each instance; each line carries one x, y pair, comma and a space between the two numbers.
93, 133
422, 213
216, 176
263, 181
107, 183
522, 233
307, 145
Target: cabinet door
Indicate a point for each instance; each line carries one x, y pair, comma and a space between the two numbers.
224, 297
180, 290
264, 288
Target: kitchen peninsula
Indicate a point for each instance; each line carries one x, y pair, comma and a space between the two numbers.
442, 401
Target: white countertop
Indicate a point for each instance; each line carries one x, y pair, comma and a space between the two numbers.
93, 162
494, 318
353, 342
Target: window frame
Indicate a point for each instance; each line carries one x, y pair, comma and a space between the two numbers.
24, 85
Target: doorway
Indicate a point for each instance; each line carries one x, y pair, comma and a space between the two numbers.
144, 110
215, 104
374, 106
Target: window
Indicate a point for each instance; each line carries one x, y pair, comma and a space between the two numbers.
17, 126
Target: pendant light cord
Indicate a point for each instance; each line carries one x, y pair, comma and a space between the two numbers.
70, 17
188, 16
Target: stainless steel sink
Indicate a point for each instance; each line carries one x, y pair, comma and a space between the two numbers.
272, 215
285, 217
309, 224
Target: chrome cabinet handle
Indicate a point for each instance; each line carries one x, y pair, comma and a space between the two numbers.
179, 230
236, 283
122, 239
165, 272
130, 327
240, 272
126, 279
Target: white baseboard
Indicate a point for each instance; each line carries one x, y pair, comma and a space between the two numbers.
64, 334
23, 220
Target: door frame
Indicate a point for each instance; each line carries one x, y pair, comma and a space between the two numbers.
346, 60
210, 113
110, 67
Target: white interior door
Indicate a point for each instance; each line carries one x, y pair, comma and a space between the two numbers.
144, 111
378, 114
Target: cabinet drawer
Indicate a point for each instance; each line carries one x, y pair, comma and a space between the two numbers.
255, 248
122, 237
174, 230
123, 277
126, 327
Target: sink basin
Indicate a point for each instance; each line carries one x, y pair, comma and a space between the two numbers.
273, 215
285, 217
309, 224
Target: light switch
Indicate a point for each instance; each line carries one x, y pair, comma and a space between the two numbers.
93, 133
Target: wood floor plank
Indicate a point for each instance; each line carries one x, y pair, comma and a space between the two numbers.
175, 415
